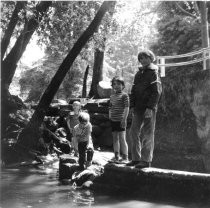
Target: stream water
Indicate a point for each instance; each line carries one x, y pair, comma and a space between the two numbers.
40, 188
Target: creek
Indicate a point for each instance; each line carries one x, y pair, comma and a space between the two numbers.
40, 188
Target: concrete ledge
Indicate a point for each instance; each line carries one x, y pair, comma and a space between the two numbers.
154, 181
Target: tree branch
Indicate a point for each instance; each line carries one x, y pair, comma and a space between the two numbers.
52, 88
10, 62
10, 28
184, 11
84, 88
195, 3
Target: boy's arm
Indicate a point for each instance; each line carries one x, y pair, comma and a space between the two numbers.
110, 105
125, 115
126, 111
68, 124
156, 90
132, 95
73, 132
87, 130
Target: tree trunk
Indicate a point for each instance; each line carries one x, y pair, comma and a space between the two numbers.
29, 135
97, 73
99, 58
11, 26
9, 64
84, 88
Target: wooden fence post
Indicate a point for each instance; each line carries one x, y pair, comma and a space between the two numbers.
162, 68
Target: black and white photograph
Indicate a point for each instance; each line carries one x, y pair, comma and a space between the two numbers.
105, 104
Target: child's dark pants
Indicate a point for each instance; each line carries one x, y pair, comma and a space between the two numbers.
82, 149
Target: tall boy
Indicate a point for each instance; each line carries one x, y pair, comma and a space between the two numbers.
145, 95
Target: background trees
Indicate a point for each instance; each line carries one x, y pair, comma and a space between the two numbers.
179, 28
38, 116
179, 32
30, 20
135, 29
168, 28
116, 39
58, 32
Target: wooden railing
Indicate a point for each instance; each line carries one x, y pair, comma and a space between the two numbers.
204, 56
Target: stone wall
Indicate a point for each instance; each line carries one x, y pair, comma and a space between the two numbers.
183, 122
182, 136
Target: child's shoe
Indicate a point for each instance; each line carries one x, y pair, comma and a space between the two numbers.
114, 160
123, 161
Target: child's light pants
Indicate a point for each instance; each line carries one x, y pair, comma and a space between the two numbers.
74, 143
142, 136
85, 153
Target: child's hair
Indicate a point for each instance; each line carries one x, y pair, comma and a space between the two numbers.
76, 103
84, 117
118, 79
146, 53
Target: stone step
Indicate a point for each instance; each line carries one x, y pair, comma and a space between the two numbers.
156, 181
185, 162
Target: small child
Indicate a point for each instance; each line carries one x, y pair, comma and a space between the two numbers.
82, 133
118, 113
72, 121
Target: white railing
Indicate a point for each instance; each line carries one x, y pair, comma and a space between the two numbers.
205, 55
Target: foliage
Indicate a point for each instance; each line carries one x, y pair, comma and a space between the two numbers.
27, 10
65, 21
162, 26
59, 76
43, 71
59, 31
7, 8
179, 32
64, 24
29, 19
134, 30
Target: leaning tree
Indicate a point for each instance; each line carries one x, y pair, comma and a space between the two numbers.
28, 138
30, 22
19, 21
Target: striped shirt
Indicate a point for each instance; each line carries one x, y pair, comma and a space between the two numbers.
118, 102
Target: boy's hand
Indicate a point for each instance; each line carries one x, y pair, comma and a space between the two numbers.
131, 111
123, 123
148, 113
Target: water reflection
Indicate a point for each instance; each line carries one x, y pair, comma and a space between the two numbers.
40, 188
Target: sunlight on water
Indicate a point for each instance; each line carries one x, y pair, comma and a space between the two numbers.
136, 204
40, 188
